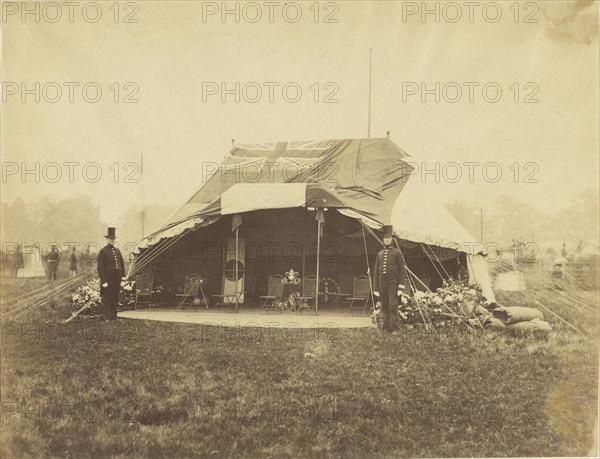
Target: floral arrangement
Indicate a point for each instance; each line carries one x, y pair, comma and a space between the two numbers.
455, 301
87, 294
127, 295
328, 289
291, 277
293, 301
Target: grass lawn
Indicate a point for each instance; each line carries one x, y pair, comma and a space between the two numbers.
151, 389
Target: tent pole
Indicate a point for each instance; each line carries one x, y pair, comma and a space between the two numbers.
318, 257
303, 255
237, 232
368, 267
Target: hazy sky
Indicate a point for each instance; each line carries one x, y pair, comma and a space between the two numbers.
172, 56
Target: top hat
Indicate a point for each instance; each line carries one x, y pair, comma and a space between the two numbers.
111, 233
388, 230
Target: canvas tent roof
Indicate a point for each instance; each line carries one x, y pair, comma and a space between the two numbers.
367, 174
364, 179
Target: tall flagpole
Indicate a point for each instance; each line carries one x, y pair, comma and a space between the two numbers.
369, 123
142, 187
481, 224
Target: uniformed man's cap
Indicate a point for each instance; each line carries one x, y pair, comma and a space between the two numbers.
388, 230
111, 233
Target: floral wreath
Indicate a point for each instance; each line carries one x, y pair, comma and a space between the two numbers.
328, 287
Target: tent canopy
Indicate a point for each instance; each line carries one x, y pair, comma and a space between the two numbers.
367, 174
365, 179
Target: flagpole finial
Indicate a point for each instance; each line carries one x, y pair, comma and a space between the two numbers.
388, 134
232, 141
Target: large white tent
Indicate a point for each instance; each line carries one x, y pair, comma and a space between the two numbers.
364, 182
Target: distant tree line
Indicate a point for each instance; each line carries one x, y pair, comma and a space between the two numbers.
505, 219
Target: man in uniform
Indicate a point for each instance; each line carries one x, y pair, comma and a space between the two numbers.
52, 259
111, 269
389, 280
74, 261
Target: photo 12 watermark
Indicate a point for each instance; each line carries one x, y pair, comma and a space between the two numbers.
282, 170
52, 92
470, 12
253, 92
474, 172
270, 12
70, 172
71, 12
453, 92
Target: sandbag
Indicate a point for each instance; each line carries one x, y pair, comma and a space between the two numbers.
515, 314
481, 311
531, 326
491, 322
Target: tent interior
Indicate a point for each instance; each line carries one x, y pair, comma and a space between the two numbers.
273, 241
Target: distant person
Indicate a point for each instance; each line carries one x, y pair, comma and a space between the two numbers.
52, 259
74, 262
111, 269
19, 262
87, 258
563, 252
578, 265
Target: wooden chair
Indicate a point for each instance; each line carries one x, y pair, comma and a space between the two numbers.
361, 291
191, 285
274, 292
143, 290
309, 291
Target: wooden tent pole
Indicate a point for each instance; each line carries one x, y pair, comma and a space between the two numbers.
318, 264
368, 267
237, 232
303, 255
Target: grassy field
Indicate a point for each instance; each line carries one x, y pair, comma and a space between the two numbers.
150, 389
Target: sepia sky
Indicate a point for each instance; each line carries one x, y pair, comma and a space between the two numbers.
166, 59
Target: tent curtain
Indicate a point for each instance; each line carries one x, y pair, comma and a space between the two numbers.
478, 273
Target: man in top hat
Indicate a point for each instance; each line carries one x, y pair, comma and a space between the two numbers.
111, 269
389, 280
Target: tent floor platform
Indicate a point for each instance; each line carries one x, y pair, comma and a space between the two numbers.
252, 318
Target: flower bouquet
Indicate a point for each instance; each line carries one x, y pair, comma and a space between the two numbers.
292, 301
456, 301
328, 289
127, 294
87, 295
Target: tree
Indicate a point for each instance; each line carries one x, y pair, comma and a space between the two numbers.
579, 220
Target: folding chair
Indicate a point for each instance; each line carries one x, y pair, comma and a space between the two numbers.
143, 290
345, 286
191, 285
228, 300
274, 292
361, 291
309, 291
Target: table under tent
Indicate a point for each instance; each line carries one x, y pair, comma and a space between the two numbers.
234, 243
